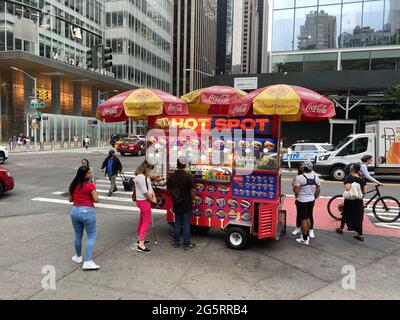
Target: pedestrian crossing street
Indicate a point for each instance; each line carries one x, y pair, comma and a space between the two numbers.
120, 200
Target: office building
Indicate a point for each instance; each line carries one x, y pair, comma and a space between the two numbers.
140, 34
48, 41
195, 37
225, 18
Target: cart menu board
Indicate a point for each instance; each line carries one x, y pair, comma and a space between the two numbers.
256, 186
214, 205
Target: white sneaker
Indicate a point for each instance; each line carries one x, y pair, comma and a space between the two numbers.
312, 235
90, 265
77, 259
296, 231
302, 241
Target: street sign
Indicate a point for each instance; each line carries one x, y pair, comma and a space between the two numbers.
35, 104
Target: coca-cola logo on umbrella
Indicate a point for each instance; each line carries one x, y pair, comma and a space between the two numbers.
218, 99
316, 108
239, 109
110, 111
175, 108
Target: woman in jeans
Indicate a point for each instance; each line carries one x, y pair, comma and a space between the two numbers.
353, 210
82, 192
144, 198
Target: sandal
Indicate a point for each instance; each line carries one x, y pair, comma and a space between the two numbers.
360, 238
339, 231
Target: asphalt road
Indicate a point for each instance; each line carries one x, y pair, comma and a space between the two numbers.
35, 231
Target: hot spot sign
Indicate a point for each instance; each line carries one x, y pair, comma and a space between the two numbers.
261, 125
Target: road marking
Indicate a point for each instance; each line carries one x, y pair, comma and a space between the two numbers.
392, 225
99, 205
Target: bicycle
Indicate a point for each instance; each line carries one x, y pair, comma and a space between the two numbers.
385, 208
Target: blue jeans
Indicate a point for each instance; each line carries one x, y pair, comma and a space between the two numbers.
84, 218
182, 219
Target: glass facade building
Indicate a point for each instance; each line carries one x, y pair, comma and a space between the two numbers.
140, 34
48, 40
329, 35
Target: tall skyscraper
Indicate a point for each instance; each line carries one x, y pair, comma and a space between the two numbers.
140, 33
394, 15
254, 33
195, 37
224, 36
237, 37
318, 31
250, 36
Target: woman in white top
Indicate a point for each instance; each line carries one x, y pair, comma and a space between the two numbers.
144, 197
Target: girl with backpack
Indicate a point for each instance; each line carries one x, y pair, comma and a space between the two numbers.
144, 197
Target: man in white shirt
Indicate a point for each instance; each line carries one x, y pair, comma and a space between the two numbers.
307, 188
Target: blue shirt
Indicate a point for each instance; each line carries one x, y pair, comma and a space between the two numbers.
110, 167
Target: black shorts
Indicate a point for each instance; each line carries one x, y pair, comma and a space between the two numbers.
304, 209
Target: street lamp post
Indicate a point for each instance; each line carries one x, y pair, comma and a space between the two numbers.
198, 71
34, 97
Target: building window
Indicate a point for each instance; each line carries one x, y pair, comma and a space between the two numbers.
356, 60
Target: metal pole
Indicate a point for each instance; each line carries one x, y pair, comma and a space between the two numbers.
36, 112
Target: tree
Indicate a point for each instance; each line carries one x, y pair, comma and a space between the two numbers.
393, 94
389, 111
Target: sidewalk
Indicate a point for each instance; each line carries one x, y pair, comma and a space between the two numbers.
75, 150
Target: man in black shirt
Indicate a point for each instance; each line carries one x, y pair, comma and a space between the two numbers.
182, 189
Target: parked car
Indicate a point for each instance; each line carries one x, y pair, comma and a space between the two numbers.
6, 180
117, 137
3, 154
133, 146
141, 137
300, 152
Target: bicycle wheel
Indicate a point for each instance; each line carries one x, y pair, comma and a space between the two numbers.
386, 209
335, 207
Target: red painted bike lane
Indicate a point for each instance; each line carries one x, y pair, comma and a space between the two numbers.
323, 221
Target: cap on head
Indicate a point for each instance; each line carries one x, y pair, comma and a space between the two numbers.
308, 165
182, 161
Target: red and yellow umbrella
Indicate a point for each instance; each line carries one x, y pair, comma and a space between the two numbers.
293, 103
139, 104
212, 100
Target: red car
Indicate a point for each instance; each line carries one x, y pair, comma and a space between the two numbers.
6, 181
133, 146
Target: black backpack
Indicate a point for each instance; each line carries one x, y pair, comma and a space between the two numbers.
309, 182
177, 198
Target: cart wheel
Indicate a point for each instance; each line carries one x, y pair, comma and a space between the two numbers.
199, 230
122, 154
237, 238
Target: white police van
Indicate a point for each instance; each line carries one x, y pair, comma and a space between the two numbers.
3, 154
300, 152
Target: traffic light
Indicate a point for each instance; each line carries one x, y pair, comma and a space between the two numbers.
91, 58
42, 95
107, 57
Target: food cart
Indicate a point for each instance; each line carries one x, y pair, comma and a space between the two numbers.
237, 178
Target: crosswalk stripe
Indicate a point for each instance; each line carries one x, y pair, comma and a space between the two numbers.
392, 225
99, 205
